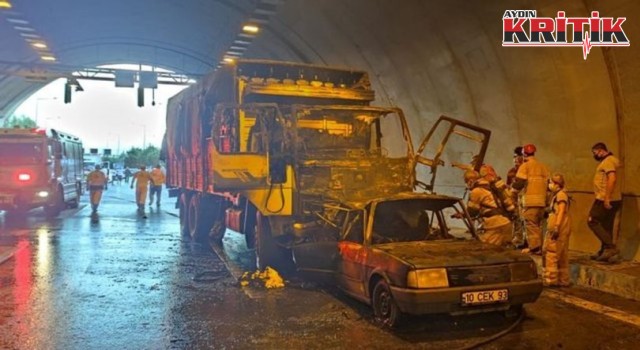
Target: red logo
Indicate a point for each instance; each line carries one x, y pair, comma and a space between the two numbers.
525, 29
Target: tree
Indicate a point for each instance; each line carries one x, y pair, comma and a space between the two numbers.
135, 157
20, 122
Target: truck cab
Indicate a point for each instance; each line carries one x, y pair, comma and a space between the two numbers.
39, 168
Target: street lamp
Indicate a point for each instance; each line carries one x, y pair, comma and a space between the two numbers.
144, 133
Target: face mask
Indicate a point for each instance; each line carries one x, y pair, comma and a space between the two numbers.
553, 187
598, 157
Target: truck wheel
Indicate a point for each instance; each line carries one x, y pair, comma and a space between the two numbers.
184, 213
76, 202
385, 310
217, 231
201, 217
56, 205
250, 226
268, 252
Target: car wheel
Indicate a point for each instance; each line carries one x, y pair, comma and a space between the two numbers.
385, 309
514, 311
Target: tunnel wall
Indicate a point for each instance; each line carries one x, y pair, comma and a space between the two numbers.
432, 58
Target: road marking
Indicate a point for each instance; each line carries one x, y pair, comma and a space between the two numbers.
595, 307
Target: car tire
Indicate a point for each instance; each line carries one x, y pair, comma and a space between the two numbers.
514, 311
385, 309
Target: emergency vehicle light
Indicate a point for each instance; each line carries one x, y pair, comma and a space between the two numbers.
39, 131
24, 177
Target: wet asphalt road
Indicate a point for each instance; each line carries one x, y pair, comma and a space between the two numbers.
126, 282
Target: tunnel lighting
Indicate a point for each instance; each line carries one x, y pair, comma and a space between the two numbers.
4, 4
48, 58
17, 21
30, 35
24, 29
39, 45
250, 28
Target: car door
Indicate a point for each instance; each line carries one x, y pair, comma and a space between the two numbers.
353, 254
449, 149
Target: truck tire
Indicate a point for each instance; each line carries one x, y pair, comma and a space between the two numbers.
250, 226
57, 204
268, 252
183, 205
200, 217
213, 207
75, 203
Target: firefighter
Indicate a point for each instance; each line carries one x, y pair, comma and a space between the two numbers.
556, 244
518, 221
157, 180
141, 179
495, 226
532, 178
96, 182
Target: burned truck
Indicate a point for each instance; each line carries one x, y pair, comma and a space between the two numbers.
295, 158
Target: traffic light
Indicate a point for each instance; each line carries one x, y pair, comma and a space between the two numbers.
67, 93
140, 97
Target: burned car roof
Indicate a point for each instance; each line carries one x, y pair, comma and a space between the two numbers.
439, 201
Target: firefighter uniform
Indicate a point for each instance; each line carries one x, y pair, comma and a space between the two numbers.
157, 180
141, 179
535, 175
96, 181
495, 228
556, 244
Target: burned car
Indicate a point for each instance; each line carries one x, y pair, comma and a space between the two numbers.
409, 254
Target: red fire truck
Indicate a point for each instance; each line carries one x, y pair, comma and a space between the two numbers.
39, 168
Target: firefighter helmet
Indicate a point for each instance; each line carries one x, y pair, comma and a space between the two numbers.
471, 175
528, 149
517, 152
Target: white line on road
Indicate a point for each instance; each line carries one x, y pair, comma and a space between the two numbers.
595, 307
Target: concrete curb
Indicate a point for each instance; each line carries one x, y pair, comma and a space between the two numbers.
622, 279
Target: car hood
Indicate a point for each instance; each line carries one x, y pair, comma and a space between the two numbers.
450, 253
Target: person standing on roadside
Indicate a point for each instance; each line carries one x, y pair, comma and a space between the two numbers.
555, 250
608, 200
141, 179
157, 180
96, 182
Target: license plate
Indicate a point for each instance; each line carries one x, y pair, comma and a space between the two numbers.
485, 297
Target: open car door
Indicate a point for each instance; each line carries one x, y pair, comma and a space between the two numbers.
455, 146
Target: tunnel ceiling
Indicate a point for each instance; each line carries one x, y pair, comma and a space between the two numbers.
185, 36
428, 57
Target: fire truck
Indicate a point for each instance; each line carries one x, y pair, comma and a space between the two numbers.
275, 150
39, 168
